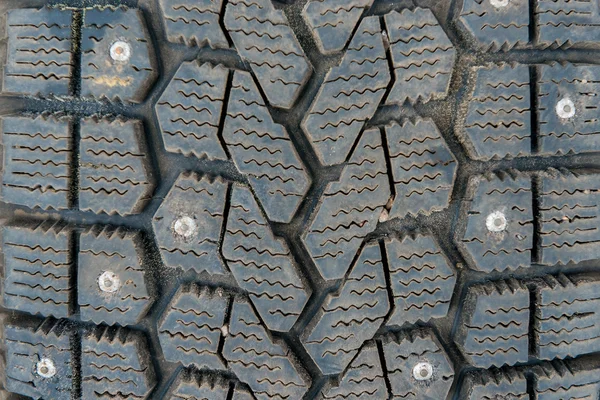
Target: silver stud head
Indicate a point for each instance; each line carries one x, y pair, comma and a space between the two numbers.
120, 51
565, 108
45, 368
109, 282
423, 371
496, 222
185, 227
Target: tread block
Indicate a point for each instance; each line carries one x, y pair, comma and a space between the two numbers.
28, 350
495, 384
576, 88
194, 22
423, 168
559, 381
189, 386
263, 151
258, 360
263, 37
567, 23
333, 21
567, 323
37, 270
189, 110
102, 76
115, 364
422, 280
568, 204
405, 351
498, 120
262, 264
364, 378
350, 208
495, 25
349, 96
111, 282
188, 224
422, 56
37, 154
190, 329
347, 319
499, 225
113, 167
493, 330
39, 56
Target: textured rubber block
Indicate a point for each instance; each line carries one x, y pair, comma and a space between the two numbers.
263, 37
499, 223
495, 384
262, 264
567, 23
422, 56
423, 168
364, 378
189, 110
566, 380
38, 267
188, 224
496, 24
568, 204
493, 330
39, 360
259, 360
115, 363
567, 109
194, 22
348, 318
117, 59
39, 55
349, 208
114, 169
333, 21
349, 96
202, 386
567, 323
262, 150
498, 119
111, 280
190, 330
407, 350
37, 166
422, 280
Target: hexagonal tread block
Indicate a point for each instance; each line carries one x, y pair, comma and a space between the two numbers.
189, 330
262, 150
422, 166
422, 56
417, 366
422, 280
188, 224
39, 52
499, 223
262, 264
194, 22
115, 172
189, 110
350, 317
333, 21
349, 208
263, 37
349, 96
493, 330
117, 60
111, 281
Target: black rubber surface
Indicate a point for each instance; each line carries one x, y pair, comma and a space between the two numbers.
300, 199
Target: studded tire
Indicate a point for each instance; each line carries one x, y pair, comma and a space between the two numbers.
299, 199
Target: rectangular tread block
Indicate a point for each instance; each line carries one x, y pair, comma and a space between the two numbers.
563, 380
568, 22
568, 204
38, 52
37, 161
567, 322
568, 109
37, 270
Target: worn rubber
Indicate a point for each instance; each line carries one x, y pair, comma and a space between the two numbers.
299, 199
